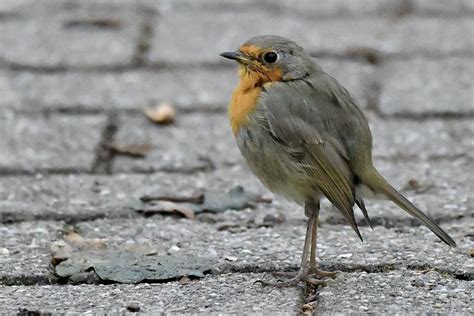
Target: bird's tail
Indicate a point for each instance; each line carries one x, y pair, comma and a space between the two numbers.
379, 185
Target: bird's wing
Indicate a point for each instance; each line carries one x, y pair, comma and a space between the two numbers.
306, 124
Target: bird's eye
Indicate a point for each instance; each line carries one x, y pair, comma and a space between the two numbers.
270, 57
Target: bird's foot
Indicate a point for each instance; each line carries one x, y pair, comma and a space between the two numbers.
322, 273
294, 278
311, 271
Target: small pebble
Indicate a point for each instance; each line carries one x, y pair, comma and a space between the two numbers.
133, 307
174, 248
443, 297
231, 258
4, 251
163, 113
345, 255
418, 283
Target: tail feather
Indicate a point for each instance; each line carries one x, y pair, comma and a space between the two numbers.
360, 203
379, 185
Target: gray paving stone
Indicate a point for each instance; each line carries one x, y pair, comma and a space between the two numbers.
419, 86
333, 8
186, 88
209, 34
396, 293
430, 139
443, 7
8, 5
11, 98
227, 293
86, 197
28, 242
241, 249
337, 8
54, 143
64, 34
195, 88
195, 142
434, 36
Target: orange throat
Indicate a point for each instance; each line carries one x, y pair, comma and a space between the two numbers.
245, 97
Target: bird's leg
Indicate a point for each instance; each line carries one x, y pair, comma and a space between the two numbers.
303, 271
309, 246
313, 268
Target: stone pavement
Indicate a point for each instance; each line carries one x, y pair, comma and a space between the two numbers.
76, 75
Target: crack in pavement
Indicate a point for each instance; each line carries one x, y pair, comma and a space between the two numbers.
125, 211
46, 279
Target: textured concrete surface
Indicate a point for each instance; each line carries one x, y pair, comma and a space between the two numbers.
412, 292
48, 142
407, 86
76, 76
66, 34
239, 244
209, 295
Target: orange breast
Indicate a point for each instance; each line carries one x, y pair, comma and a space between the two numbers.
245, 97
243, 103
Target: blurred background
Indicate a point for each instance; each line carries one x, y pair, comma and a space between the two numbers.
104, 102
138, 87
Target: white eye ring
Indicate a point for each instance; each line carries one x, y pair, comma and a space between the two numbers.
271, 57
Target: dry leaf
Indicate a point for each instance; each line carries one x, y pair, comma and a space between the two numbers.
168, 207
415, 185
163, 113
133, 150
141, 249
197, 198
210, 201
80, 242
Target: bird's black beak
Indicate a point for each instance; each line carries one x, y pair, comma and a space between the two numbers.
237, 56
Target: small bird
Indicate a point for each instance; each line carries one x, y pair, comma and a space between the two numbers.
303, 135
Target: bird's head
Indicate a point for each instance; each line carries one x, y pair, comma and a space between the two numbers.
274, 58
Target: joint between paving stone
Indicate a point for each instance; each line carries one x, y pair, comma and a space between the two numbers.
373, 97
25, 280
426, 116
145, 37
366, 55
405, 158
104, 157
7, 172
390, 222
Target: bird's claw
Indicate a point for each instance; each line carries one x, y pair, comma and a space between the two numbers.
296, 278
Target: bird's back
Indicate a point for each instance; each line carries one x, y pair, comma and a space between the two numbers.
290, 120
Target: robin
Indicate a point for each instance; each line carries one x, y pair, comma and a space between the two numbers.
303, 135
